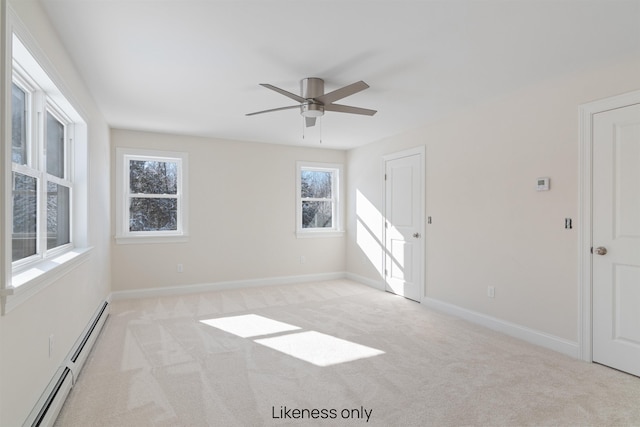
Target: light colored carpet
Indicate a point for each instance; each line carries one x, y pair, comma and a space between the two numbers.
249, 357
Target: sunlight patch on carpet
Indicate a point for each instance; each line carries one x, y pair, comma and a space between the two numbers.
249, 325
309, 346
319, 349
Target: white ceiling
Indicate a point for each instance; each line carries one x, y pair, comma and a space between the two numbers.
193, 67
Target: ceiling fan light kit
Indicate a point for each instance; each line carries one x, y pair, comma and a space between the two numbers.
313, 102
311, 110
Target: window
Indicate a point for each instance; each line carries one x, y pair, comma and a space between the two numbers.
41, 180
318, 199
152, 201
47, 198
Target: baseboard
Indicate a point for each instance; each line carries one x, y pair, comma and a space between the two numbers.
219, 286
532, 336
376, 284
542, 339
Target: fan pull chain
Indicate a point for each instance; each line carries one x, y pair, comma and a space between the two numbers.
320, 119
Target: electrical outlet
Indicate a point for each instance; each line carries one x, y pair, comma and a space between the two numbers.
50, 345
180, 268
491, 291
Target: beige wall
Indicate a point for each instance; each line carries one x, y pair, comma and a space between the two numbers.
64, 308
241, 217
490, 226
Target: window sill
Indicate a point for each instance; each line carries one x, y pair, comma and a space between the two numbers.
129, 240
312, 234
32, 280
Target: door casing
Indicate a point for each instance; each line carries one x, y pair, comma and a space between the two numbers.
585, 217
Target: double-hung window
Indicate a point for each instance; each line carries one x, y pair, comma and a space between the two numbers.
47, 205
42, 176
152, 196
318, 199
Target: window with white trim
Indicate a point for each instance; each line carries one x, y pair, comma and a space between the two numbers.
152, 198
46, 170
318, 199
42, 173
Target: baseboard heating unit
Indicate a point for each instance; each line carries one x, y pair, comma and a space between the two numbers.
51, 401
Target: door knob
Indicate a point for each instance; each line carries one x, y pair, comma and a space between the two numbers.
416, 235
600, 250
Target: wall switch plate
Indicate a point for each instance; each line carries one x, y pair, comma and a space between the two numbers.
180, 268
50, 345
491, 291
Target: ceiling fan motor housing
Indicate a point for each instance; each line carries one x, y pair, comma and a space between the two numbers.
311, 88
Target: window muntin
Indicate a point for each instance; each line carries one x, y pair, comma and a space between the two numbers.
318, 198
152, 201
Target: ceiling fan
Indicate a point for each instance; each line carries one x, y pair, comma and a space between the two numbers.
313, 102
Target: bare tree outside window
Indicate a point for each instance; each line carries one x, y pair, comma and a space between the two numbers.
25, 215
153, 186
316, 194
55, 146
18, 125
58, 215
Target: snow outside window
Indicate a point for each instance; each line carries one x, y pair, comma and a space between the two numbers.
42, 173
318, 199
152, 200
47, 199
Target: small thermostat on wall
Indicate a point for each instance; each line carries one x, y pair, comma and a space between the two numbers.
542, 184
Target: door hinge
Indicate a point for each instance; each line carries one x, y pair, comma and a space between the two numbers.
385, 176
385, 272
386, 224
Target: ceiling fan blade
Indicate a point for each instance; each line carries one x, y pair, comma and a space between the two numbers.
343, 92
284, 92
347, 109
310, 121
272, 110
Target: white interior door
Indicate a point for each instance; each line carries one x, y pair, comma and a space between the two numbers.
616, 238
404, 224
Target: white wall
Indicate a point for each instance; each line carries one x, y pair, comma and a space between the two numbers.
241, 217
64, 308
490, 226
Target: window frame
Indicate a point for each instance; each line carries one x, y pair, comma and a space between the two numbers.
335, 169
123, 196
39, 104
